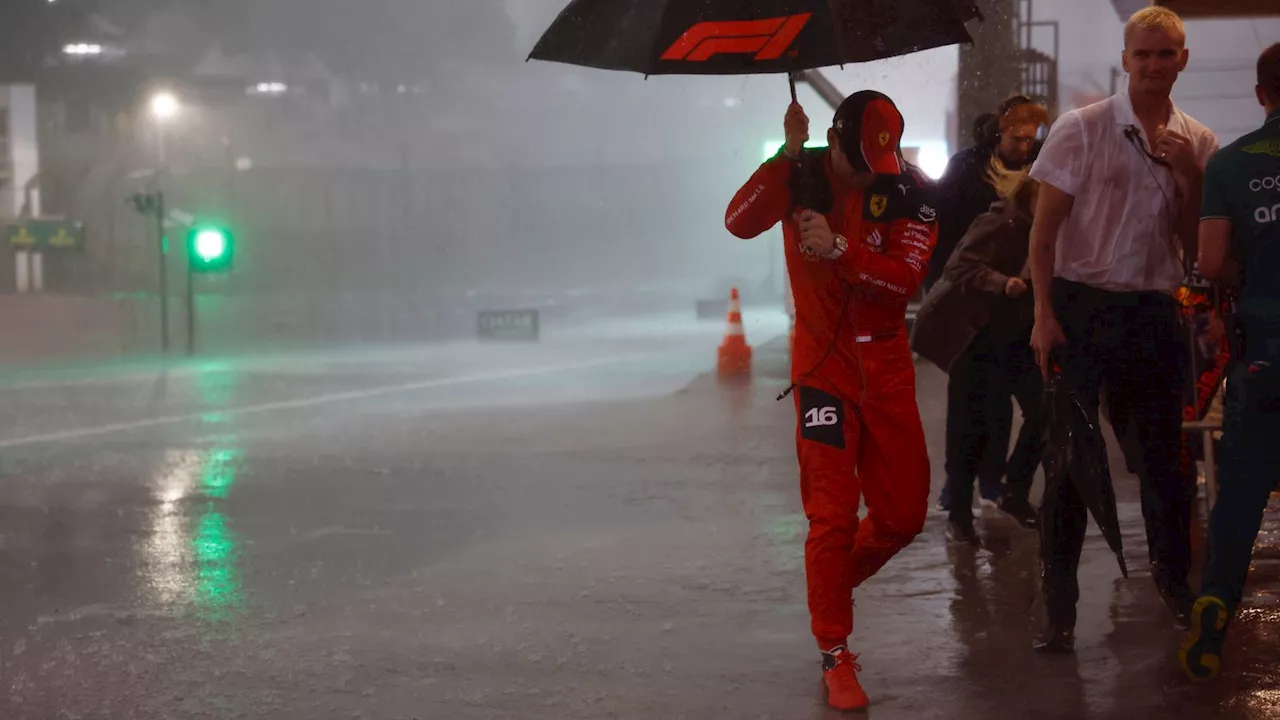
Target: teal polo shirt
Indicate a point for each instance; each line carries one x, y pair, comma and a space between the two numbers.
1242, 184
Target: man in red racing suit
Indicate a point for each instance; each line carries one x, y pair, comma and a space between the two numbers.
853, 264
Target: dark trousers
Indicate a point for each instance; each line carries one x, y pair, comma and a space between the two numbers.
1250, 471
991, 372
1021, 379
1133, 344
979, 422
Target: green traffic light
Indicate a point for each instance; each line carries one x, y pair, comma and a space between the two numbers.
211, 245
211, 249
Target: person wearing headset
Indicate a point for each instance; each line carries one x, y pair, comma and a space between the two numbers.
1115, 228
859, 225
977, 437
1005, 143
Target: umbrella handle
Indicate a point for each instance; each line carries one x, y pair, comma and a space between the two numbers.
791, 77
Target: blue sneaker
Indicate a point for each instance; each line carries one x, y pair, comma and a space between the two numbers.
1201, 654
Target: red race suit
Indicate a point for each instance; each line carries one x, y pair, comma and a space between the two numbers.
858, 426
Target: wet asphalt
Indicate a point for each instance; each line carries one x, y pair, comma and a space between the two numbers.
592, 527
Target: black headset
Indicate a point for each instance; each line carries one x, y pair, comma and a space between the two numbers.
1013, 101
986, 129
1010, 103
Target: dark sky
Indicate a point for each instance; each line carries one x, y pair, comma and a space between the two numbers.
386, 40
389, 40
398, 39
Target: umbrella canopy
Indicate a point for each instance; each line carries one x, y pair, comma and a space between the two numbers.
1075, 452
739, 37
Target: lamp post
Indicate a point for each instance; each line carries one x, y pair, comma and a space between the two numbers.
164, 107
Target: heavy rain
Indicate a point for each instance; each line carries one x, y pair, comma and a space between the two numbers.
580, 359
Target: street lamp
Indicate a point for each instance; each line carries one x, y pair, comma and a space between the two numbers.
164, 106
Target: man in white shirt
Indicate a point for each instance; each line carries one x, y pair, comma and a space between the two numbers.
1117, 214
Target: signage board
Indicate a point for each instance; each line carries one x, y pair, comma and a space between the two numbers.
519, 325
45, 235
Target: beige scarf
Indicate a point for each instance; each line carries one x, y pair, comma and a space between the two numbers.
1004, 180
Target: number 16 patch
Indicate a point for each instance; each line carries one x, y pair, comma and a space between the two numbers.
821, 417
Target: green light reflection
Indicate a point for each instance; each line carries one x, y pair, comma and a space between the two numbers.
219, 473
219, 589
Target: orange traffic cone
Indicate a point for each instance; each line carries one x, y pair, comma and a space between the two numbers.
735, 353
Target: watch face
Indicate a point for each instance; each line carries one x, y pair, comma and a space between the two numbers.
840, 247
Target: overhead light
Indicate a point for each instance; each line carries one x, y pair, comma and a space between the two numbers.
269, 88
164, 105
82, 49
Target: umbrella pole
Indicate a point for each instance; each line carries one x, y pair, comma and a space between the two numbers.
791, 77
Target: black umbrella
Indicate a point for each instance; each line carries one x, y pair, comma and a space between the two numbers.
1075, 452
747, 37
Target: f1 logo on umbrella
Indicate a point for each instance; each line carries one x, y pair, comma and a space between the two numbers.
727, 37
768, 39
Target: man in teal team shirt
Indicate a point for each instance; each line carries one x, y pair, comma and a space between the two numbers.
1241, 221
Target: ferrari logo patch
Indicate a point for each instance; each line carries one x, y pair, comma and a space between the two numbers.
879, 203
884, 139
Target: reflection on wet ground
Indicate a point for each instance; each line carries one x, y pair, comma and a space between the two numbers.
399, 557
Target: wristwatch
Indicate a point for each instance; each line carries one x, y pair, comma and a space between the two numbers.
842, 246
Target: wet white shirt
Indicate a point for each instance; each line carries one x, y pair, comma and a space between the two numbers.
1120, 235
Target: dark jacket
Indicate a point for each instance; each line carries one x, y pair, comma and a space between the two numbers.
970, 294
963, 194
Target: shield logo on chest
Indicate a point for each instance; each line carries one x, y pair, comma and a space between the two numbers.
878, 204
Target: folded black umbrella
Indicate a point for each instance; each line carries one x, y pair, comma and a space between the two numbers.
737, 37
1076, 452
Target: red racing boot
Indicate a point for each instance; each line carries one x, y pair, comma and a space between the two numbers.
840, 678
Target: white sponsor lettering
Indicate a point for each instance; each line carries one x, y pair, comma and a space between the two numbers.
915, 243
822, 417
882, 284
1266, 216
743, 207
1268, 183
918, 227
915, 262
928, 214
